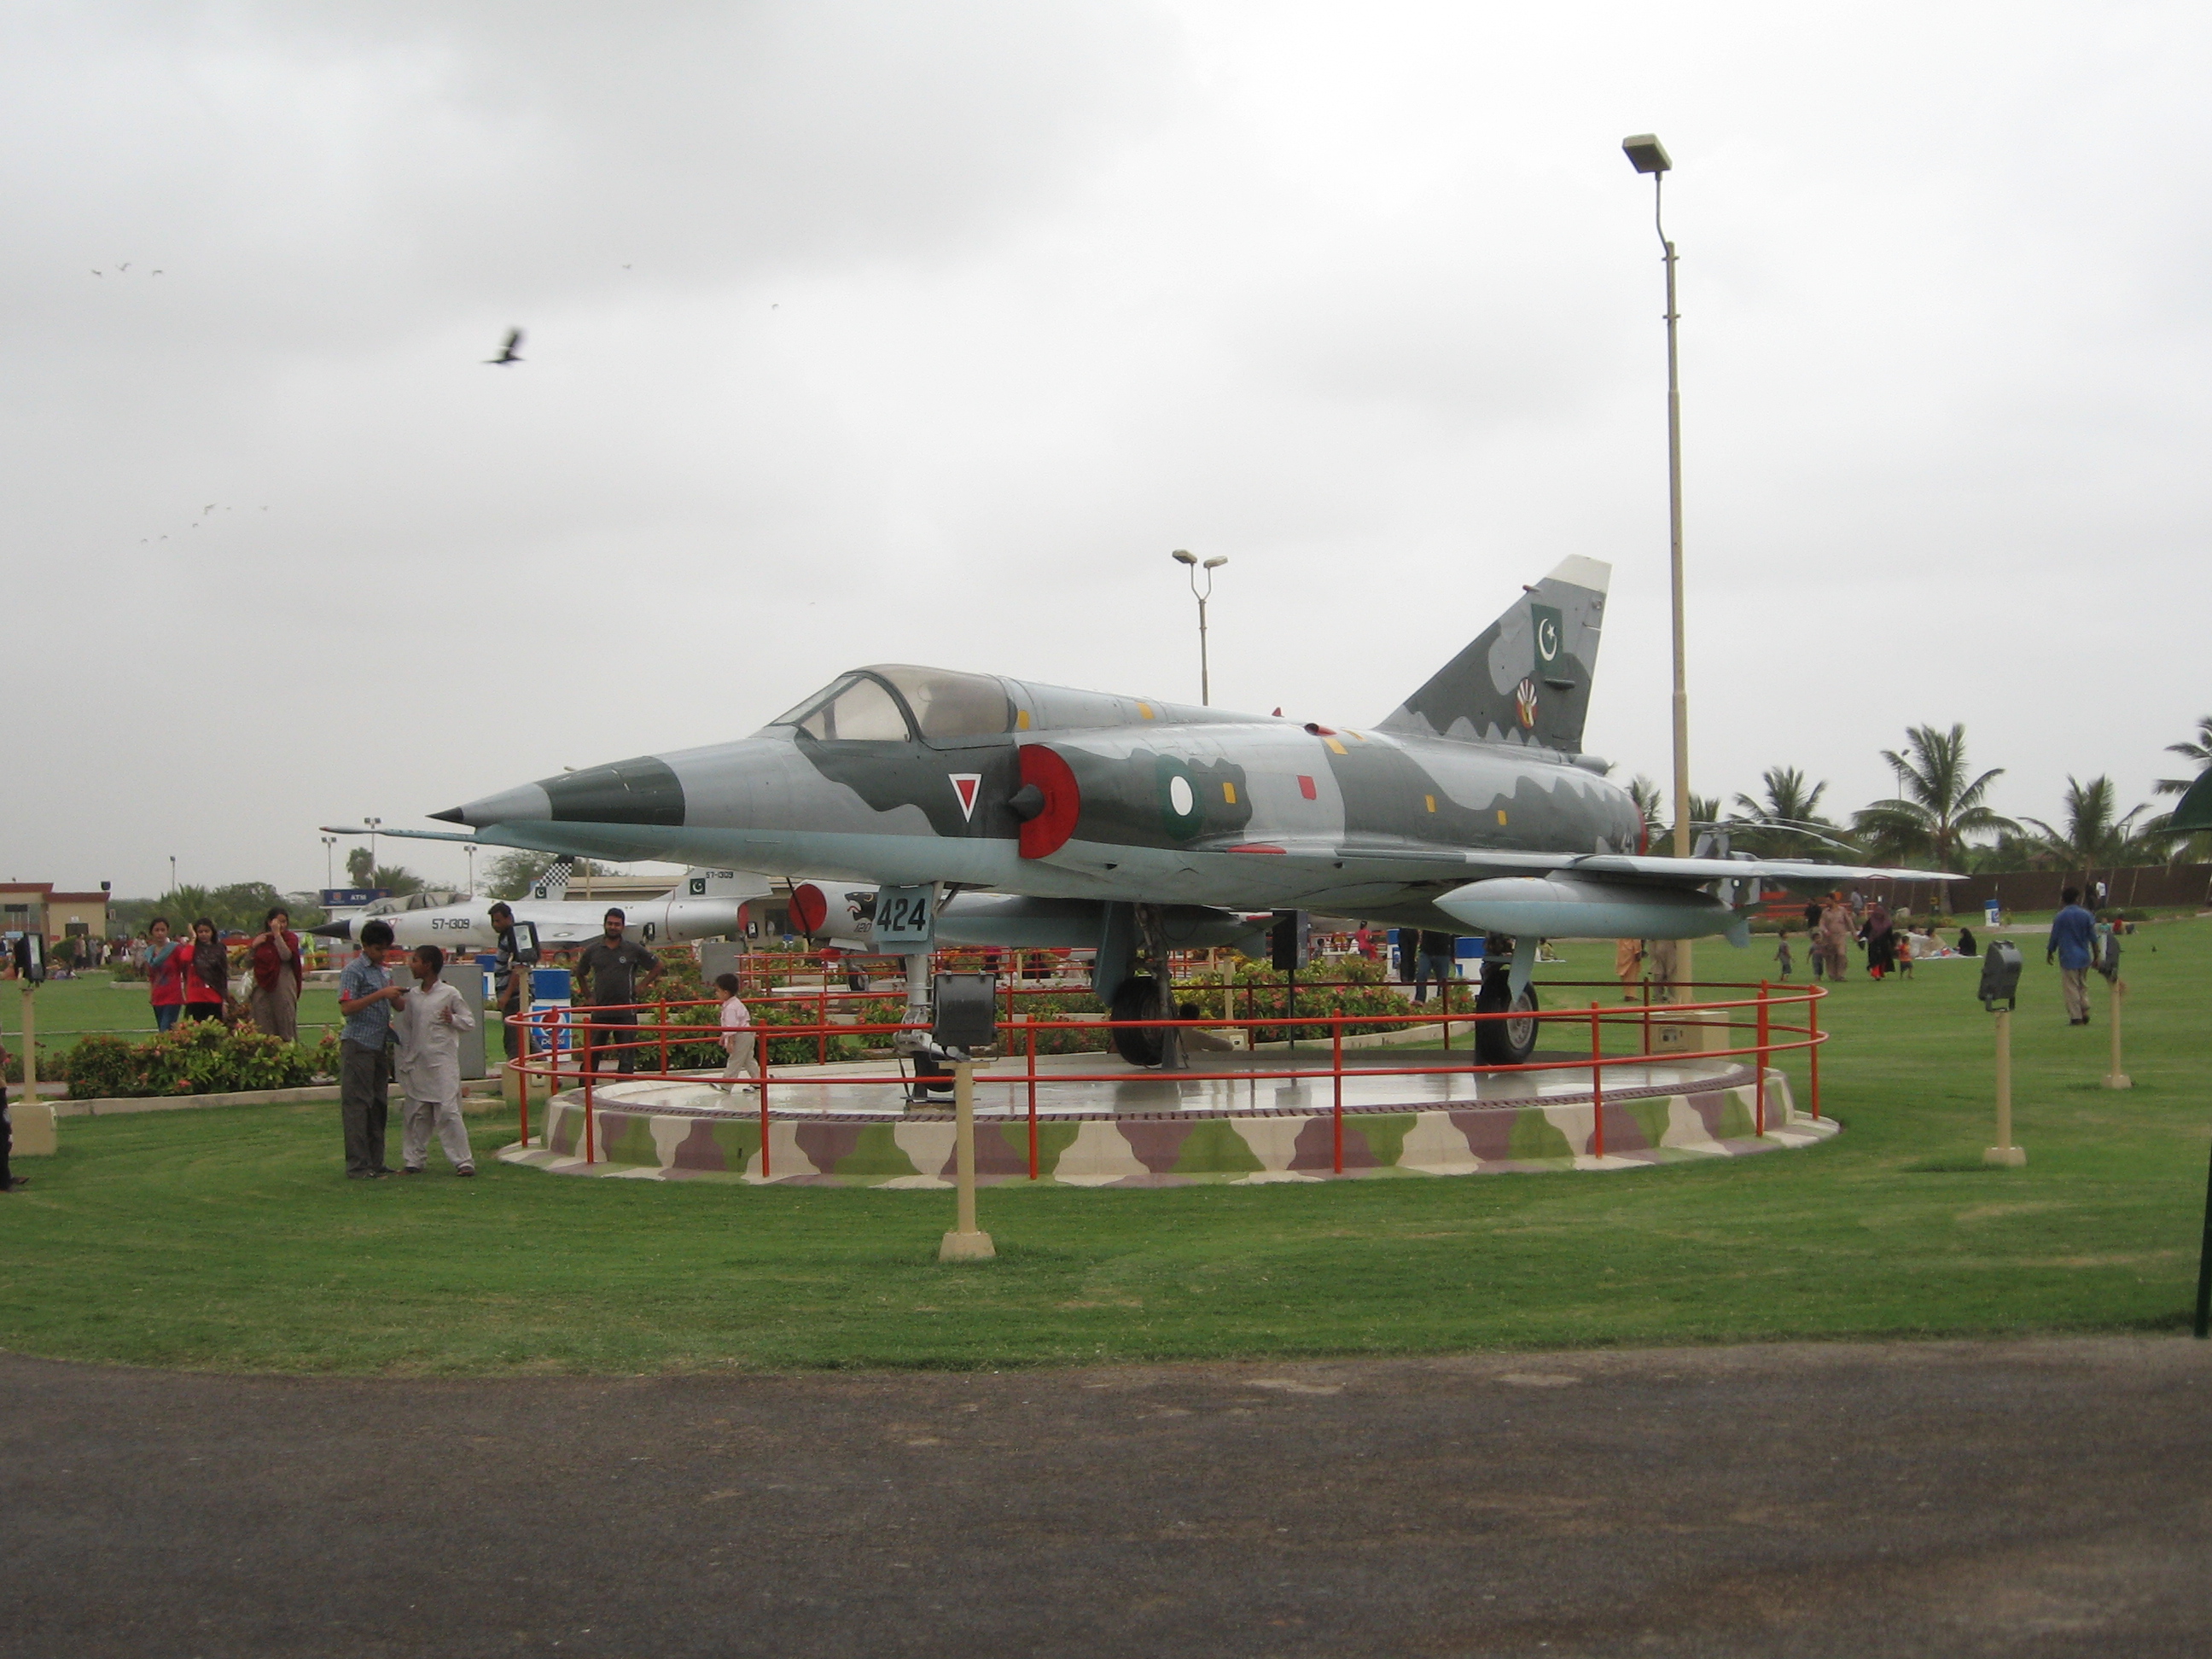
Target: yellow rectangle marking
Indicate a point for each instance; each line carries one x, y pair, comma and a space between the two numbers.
1432, 800
1229, 792
1333, 744
1501, 815
1021, 720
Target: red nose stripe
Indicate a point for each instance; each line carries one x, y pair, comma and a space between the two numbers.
1306, 788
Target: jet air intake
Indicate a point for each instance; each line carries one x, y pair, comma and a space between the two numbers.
1560, 907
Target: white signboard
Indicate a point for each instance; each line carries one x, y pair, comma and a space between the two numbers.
905, 919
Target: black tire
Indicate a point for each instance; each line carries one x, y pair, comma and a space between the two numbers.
1503, 1041
1139, 999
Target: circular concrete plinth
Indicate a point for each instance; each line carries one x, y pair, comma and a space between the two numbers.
840, 1124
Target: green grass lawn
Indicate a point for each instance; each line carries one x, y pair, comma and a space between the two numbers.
67, 1008
228, 1238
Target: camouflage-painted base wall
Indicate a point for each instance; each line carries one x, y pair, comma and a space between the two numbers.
1171, 1149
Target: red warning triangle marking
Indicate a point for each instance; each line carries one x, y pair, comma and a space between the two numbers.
964, 784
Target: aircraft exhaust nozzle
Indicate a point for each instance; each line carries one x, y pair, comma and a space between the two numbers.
1557, 907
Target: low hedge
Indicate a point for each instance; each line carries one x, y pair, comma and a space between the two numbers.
198, 1058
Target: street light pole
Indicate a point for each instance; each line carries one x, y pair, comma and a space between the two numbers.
330, 861
372, 824
1191, 561
1646, 154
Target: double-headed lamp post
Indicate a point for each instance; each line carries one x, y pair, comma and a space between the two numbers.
1646, 154
330, 860
1191, 561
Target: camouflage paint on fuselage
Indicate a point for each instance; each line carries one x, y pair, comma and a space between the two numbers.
897, 773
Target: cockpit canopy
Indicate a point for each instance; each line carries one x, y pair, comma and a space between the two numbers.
893, 702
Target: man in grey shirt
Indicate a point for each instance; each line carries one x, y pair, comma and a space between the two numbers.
609, 966
367, 997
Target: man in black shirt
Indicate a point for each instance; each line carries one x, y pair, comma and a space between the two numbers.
1437, 952
609, 967
507, 981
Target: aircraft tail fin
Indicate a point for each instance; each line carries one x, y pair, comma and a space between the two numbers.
553, 883
700, 882
1526, 678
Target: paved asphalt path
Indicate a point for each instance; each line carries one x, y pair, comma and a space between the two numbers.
2039, 1498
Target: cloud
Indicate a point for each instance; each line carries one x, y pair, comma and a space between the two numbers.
941, 326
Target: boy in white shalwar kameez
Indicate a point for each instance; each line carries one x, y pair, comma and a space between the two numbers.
428, 1024
739, 1046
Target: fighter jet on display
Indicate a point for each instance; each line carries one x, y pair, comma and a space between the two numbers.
705, 904
1469, 808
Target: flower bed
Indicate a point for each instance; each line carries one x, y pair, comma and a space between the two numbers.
198, 1058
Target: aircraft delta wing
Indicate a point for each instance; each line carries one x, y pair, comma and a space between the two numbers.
1470, 807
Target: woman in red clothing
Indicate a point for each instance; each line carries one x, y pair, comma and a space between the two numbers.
165, 973
207, 973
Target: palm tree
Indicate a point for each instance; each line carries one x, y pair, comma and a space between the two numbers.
2159, 830
1645, 795
2200, 752
1937, 807
1787, 821
2094, 835
1790, 799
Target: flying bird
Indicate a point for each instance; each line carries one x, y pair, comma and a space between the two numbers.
126, 265
208, 508
507, 353
154, 273
98, 273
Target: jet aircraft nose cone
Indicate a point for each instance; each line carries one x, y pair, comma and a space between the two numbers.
451, 815
333, 930
528, 802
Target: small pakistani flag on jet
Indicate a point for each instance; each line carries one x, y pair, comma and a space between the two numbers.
1544, 622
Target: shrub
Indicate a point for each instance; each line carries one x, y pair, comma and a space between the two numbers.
199, 1058
52, 1067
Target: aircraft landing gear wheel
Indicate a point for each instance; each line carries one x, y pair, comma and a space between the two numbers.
1504, 1042
1139, 999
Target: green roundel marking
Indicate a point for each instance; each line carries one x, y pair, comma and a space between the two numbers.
1181, 813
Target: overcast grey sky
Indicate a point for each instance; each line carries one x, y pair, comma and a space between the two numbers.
924, 332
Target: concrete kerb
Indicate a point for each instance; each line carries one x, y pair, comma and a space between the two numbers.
121, 1105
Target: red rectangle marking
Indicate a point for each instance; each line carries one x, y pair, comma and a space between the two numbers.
1306, 788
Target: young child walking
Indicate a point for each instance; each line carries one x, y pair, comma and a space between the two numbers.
430, 1024
738, 1043
1782, 954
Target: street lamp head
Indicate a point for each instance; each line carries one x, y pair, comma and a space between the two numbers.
1216, 563
1646, 153
1181, 557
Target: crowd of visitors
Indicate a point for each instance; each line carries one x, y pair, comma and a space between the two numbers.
190, 978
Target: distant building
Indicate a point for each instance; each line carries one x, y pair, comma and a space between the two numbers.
28, 906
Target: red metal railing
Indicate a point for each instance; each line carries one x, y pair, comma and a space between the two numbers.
1753, 1014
